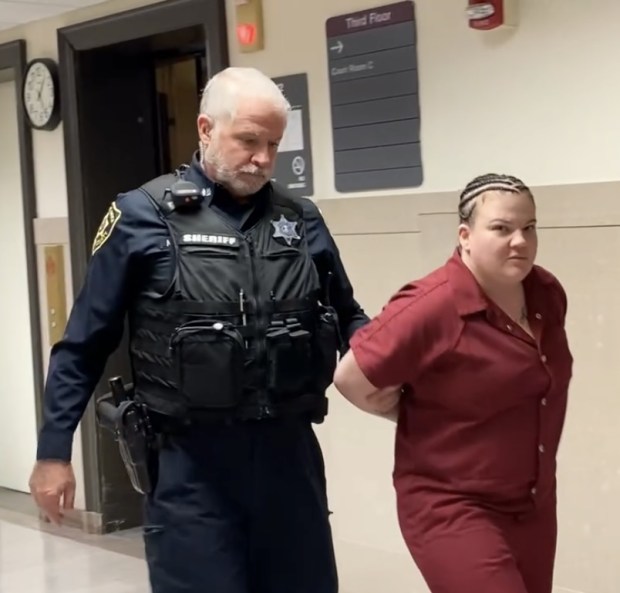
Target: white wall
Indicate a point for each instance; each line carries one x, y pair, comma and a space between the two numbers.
541, 102
48, 147
17, 401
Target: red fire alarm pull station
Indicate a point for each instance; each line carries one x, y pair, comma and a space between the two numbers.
486, 15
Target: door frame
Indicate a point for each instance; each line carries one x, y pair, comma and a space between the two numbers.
13, 57
146, 21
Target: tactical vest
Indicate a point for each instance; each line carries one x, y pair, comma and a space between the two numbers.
243, 332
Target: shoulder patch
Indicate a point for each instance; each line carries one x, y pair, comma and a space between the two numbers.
112, 216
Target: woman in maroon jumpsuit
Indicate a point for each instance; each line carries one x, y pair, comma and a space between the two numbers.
474, 363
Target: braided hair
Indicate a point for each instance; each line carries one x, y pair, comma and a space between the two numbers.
484, 183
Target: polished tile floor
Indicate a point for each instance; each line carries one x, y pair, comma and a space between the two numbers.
35, 558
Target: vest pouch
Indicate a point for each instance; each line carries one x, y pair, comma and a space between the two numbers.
289, 352
326, 348
209, 359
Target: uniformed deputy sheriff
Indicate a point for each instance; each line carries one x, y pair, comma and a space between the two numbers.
237, 303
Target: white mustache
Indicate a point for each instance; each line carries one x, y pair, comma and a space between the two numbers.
252, 171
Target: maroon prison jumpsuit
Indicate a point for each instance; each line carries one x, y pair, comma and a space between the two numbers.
479, 426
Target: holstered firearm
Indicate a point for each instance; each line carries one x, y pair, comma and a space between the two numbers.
128, 421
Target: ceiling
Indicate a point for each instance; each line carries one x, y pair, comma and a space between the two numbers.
18, 12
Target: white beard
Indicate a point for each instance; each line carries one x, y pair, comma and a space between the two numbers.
252, 180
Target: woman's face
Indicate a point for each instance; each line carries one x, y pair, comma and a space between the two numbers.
499, 243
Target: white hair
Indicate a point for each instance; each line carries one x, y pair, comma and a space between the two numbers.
228, 88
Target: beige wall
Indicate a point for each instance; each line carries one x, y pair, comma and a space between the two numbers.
55, 232
540, 102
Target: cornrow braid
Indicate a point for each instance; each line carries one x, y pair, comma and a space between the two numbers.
484, 183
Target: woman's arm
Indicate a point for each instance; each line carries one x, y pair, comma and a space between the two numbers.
392, 350
351, 382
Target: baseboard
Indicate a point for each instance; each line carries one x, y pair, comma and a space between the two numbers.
86, 521
20, 504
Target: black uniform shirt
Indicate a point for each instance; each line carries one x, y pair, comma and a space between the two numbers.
132, 257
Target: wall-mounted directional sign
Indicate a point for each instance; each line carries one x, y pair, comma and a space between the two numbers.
373, 80
294, 163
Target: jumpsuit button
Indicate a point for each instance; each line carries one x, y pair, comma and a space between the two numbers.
543, 401
538, 316
533, 491
541, 448
509, 327
543, 358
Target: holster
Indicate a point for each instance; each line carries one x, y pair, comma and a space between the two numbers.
128, 421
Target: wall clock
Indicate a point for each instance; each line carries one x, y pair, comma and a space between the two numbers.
40, 94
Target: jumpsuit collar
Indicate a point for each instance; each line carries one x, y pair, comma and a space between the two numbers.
469, 296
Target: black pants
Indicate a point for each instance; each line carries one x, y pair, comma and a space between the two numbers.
241, 509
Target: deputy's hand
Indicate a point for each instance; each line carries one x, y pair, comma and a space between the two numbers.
384, 402
52, 485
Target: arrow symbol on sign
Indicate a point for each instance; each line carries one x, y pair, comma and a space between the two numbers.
338, 47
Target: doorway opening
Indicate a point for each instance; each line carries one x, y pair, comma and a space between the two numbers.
130, 85
179, 83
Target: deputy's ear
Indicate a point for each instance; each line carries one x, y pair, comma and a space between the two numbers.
205, 128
